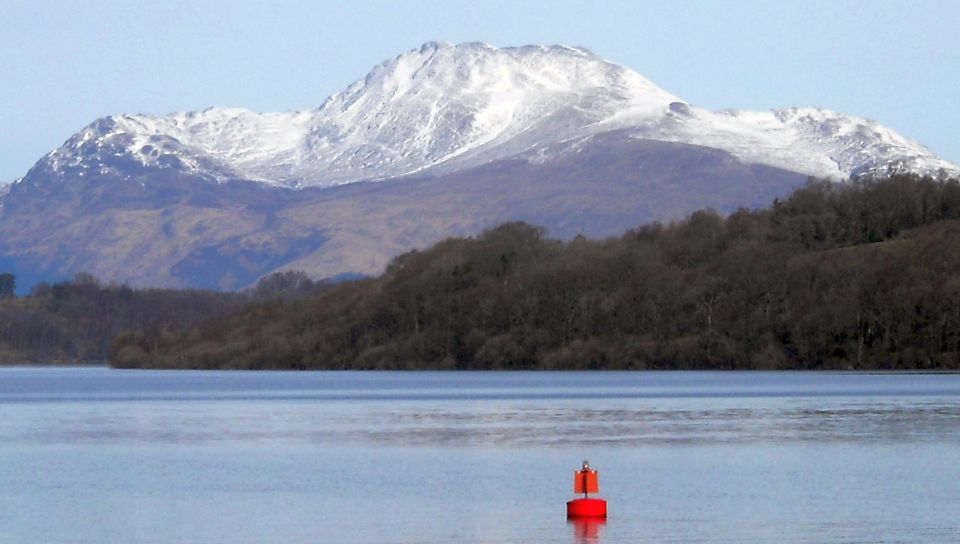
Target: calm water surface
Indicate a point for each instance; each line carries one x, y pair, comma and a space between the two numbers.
106, 456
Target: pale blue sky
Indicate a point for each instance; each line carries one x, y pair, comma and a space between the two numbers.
64, 63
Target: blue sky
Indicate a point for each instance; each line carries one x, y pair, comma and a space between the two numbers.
64, 63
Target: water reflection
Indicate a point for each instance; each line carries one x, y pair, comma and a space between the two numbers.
587, 531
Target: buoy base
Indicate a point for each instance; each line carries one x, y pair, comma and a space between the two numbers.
587, 508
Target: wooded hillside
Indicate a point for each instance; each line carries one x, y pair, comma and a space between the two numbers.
864, 275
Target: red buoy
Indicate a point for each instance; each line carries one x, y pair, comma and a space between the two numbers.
587, 508
586, 481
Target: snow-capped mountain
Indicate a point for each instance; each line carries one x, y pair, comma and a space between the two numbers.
555, 136
443, 108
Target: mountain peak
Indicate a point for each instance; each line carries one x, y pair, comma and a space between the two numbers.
434, 45
443, 107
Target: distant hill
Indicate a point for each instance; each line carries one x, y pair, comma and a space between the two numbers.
445, 140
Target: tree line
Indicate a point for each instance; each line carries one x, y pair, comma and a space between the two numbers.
859, 275
77, 320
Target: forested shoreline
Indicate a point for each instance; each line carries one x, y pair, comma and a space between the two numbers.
861, 275
75, 321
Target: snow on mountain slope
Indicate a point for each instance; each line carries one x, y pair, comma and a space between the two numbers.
221, 143
443, 104
812, 141
443, 108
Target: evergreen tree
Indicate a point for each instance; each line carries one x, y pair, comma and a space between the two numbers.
8, 285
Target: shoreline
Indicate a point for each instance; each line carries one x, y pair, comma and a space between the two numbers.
861, 372
42, 364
